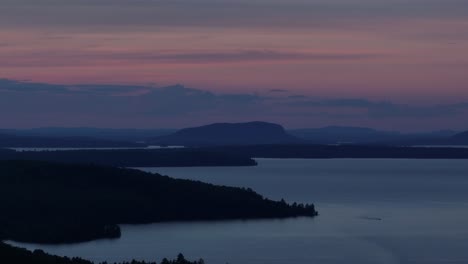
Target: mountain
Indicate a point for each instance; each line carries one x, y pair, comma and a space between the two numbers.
251, 133
363, 135
437, 138
460, 139
342, 134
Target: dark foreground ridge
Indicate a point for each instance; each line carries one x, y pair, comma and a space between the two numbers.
14, 255
58, 203
135, 157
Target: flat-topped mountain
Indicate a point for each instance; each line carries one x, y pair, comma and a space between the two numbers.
251, 133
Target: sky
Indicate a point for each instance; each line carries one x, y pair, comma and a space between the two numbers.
387, 64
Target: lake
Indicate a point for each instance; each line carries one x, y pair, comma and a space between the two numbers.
371, 211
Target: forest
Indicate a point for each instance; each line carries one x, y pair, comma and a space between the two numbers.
14, 255
135, 157
44, 202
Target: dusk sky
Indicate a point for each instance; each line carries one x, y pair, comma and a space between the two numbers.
387, 64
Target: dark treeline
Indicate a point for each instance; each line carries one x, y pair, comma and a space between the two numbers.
108, 134
135, 157
16, 141
231, 155
46, 202
14, 255
343, 151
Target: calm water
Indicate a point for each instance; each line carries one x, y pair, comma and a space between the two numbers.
422, 204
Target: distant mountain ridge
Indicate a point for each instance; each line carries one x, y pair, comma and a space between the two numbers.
342, 134
363, 135
113, 134
15, 141
462, 135
461, 138
251, 133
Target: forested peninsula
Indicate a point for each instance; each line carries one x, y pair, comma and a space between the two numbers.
44, 202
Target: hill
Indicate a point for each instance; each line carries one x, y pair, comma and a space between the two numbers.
57, 203
341, 134
363, 135
461, 138
433, 139
229, 134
